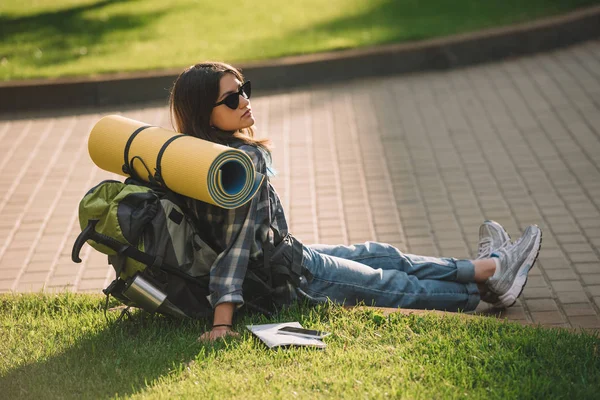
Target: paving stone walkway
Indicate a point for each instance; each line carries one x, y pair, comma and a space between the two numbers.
418, 161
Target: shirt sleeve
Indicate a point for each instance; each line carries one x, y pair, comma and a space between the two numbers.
229, 269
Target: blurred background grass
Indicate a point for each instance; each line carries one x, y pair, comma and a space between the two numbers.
54, 38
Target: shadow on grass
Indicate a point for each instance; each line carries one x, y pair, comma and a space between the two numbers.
68, 32
121, 359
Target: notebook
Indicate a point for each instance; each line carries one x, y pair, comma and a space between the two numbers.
267, 333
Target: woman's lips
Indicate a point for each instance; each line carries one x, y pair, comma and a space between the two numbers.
247, 113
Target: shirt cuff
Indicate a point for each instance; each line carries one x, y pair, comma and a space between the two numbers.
232, 297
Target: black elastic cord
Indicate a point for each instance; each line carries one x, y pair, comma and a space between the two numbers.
124, 313
134, 174
158, 174
126, 166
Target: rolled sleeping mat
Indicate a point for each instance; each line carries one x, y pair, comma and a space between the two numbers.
192, 167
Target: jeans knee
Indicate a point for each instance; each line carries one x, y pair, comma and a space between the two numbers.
381, 248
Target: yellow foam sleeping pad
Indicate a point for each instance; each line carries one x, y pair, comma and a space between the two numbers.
192, 167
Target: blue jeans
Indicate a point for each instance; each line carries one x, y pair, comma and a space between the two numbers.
380, 275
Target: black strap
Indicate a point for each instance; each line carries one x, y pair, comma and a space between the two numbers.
150, 261
277, 238
267, 248
126, 165
158, 174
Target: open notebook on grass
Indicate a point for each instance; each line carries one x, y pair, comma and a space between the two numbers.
269, 336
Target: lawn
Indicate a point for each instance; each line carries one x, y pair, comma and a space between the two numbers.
52, 38
61, 346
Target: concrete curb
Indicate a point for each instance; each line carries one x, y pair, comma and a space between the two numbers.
437, 54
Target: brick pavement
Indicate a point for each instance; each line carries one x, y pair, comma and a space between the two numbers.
418, 161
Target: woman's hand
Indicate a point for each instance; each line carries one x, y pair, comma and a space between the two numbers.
217, 333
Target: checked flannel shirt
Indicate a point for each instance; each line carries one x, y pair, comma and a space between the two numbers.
239, 234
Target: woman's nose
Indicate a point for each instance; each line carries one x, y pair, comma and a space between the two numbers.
243, 102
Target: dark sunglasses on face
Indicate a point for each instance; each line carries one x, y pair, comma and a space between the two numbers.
233, 100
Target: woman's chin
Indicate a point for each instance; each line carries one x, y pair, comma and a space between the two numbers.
248, 123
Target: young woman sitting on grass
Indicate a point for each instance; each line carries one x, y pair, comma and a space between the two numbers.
211, 101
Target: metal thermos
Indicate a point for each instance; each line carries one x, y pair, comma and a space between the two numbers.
144, 294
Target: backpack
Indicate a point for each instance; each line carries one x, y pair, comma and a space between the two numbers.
160, 255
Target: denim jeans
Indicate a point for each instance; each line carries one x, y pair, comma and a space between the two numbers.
378, 274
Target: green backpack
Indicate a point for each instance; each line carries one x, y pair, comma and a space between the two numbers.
162, 264
161, 257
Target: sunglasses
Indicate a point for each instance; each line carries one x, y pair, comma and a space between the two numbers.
233, 100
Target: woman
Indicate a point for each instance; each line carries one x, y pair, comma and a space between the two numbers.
211, 101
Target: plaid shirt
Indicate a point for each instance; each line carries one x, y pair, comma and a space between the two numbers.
239, 234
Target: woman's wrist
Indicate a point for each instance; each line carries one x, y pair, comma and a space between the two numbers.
223, 316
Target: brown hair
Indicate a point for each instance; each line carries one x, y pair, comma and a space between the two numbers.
192, 99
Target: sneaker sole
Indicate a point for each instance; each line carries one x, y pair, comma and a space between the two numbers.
508, 299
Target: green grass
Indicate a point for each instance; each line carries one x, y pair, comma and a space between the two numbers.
52, 38
61, 346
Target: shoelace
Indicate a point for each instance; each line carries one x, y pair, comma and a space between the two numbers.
485, 247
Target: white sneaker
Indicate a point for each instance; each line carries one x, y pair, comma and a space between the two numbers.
515, 261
